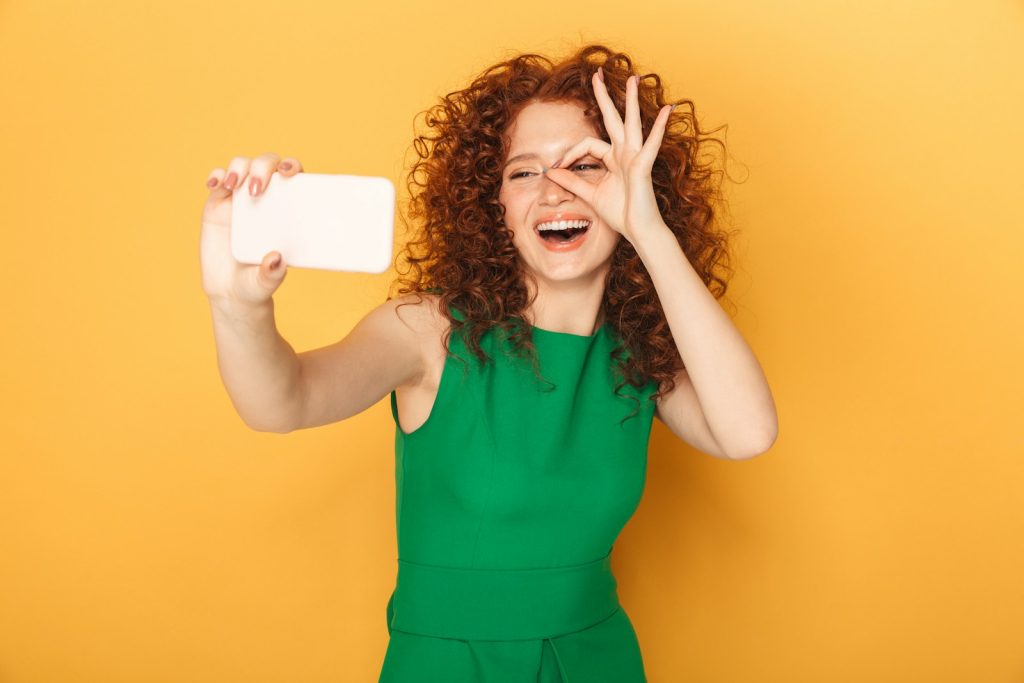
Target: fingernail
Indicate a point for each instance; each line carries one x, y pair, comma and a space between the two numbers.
557, 163
254, 186
275, 263
232, 179
211, 182
285, 165
600, 73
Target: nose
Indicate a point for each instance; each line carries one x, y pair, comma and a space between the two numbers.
552, 192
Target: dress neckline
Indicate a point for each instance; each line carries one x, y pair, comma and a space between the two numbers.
546, 334
569, 335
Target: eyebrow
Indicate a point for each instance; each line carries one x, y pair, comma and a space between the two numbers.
519, 157
532, 155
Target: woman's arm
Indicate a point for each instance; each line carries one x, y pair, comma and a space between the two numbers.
727, 379
276, 390
258, 367
383, 351
734, 409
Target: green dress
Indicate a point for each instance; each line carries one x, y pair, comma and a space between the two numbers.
509, 499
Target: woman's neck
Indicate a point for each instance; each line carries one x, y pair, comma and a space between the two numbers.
567, 308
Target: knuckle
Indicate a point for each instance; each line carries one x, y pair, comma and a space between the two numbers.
267, 158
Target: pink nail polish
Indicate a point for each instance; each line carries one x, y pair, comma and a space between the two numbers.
254, 186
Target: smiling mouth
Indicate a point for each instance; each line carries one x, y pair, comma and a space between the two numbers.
562, 232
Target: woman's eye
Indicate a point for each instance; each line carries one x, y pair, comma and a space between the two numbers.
575, 167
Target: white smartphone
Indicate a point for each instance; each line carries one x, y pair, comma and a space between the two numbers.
317, 220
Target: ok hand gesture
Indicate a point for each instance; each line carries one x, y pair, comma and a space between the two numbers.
624, 197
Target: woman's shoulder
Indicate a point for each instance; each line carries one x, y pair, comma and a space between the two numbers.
421, 312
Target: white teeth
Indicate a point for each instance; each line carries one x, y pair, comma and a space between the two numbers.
562, 225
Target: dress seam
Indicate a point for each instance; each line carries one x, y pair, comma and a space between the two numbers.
490, 485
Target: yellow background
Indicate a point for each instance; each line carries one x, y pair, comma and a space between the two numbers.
147, 535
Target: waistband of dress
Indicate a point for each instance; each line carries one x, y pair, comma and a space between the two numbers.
501, 604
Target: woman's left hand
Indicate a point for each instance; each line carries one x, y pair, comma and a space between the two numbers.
624, 197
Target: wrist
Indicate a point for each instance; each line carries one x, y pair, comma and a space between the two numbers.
652, 238
233, 308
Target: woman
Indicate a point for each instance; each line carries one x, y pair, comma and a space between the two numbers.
560, 301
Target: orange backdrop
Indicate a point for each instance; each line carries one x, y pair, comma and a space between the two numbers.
147, 535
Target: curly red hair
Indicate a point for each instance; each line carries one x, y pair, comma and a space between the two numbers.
463, 251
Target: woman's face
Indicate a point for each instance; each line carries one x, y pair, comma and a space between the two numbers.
539, 135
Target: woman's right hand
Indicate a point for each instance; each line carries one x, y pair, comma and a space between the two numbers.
224, 278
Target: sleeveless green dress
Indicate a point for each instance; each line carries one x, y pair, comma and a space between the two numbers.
509, 499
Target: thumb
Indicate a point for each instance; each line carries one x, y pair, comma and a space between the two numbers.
273, 269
